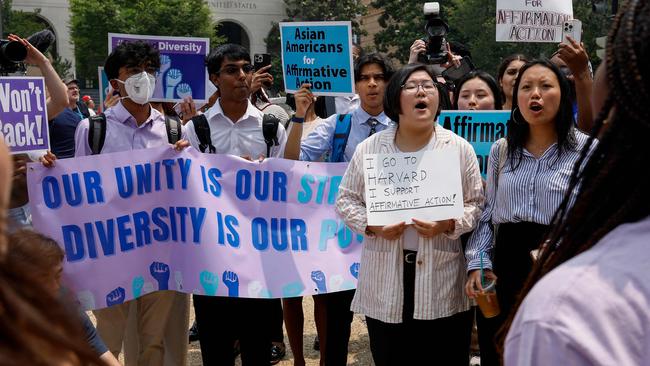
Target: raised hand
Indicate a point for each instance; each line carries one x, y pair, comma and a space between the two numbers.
261, 77
173, 78
184, 90
136, 286
388, 232
188, 109
354, 270
231, 280
416, 49
319, 279
293, 289
116, 297
165, 64
304, 98
210, 282
160, 272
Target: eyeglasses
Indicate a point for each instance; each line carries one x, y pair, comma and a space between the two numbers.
234, 70
412, 87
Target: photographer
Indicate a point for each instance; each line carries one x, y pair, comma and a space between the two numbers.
57, 92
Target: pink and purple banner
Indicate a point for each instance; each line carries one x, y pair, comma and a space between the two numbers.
141, 221
23, 114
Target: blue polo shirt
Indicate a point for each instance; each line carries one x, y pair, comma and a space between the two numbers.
62, 129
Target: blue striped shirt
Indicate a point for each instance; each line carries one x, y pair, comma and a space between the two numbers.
530, 193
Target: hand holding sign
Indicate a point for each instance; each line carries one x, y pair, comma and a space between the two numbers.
304, 98
389, 232
429, 229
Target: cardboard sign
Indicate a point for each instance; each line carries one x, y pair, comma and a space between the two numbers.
532, 20
182, 65
423, 185
318, 53
23, 114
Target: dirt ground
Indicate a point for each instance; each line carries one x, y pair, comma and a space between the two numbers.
359, 349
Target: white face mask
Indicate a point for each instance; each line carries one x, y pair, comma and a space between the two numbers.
139, 87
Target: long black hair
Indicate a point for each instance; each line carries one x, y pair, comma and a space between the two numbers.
487, 79
518, 130
613, 185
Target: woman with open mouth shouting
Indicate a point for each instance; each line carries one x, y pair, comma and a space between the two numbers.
412, 274
528, 176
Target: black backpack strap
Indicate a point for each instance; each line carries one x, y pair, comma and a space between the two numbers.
202, 129
96, 132
270, 130
174, 129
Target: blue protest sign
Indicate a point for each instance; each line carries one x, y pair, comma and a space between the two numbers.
182, 65
480, 128
318, 53
23, 114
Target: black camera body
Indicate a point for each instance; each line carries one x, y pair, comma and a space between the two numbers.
12, 54
436, 39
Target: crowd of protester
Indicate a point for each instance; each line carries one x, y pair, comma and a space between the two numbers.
560, 226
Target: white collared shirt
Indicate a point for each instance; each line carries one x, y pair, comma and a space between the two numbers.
243, 137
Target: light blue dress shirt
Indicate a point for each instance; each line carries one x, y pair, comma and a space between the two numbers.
320, 140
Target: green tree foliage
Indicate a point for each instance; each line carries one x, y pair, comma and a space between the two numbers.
20, 22
92, 20
311, 10
472, 23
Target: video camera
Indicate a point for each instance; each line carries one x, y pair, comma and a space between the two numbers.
13, 53
436, 40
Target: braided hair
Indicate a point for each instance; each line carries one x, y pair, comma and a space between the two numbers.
613, 185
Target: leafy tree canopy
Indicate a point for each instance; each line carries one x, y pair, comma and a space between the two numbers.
92, 20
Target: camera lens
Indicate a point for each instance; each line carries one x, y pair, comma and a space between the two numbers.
14, 51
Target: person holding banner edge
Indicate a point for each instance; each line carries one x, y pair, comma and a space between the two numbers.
371, 73
524, 188
131, 124
235, 127
411, 278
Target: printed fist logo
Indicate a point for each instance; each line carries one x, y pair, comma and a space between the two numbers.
160, 272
